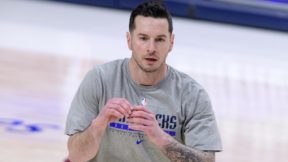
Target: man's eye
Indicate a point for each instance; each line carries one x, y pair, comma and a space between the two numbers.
160, 40
143, 38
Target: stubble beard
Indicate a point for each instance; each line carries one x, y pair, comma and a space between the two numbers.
147, 70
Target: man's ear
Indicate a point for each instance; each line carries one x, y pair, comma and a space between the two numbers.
128, 37
171, 42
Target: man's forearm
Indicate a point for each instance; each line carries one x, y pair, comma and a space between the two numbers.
84, 146
178, 152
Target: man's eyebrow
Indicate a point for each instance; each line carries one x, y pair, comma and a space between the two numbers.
163, 35
158, 36
141, 34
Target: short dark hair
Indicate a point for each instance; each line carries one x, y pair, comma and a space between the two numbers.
155, 9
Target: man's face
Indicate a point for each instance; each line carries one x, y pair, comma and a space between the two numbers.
150, 43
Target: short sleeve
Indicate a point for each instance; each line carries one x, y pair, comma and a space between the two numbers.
200, 127
84, 107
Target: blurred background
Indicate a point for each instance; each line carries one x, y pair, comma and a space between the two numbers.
236, 49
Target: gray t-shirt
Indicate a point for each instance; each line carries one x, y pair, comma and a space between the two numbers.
181, 106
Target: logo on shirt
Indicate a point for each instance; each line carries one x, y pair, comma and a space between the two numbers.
139, 141
143, 101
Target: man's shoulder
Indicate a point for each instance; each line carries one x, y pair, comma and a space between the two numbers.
186, 80
110, 66
184, 77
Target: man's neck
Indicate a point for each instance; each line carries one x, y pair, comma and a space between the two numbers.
141, 77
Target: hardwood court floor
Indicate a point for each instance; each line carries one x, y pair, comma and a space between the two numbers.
46, 48
31, 99
35, 93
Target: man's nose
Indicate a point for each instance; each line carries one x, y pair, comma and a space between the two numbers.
151, 47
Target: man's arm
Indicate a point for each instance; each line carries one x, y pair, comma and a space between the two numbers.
178, 152
143, 120
84, 146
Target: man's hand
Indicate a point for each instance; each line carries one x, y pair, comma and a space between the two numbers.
114, 109
144, 120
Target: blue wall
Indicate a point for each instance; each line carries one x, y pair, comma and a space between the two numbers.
213, 10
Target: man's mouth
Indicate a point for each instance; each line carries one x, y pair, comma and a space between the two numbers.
151, 59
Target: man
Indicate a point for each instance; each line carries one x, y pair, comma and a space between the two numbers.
140, 109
